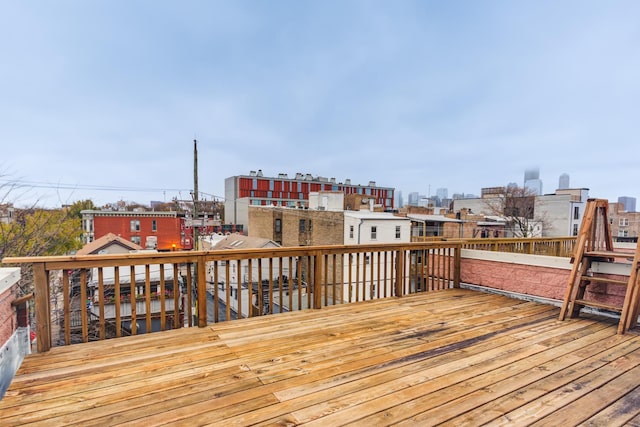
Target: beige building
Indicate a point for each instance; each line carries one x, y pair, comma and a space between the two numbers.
296, 227
624, 225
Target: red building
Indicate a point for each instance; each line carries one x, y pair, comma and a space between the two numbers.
257, 190
164, 231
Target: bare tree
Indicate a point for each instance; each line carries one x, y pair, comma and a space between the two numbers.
517, 206
36, 231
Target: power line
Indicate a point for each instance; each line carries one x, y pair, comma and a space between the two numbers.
62, 186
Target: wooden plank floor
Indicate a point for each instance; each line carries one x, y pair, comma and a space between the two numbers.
455, 357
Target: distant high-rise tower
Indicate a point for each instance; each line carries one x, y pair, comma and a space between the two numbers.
442, 193
399, 199
629, 203
530, 174
532, 181
563, 182
414, 199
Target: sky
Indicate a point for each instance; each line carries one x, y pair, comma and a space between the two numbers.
101, 100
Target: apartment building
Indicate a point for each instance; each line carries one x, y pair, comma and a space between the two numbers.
552, 215
312, 227
625, 225
256, 189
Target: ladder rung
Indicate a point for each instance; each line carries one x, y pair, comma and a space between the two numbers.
605, 280
595, 304
608, 254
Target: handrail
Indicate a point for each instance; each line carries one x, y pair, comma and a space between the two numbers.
159, 291
551, 246
21, 300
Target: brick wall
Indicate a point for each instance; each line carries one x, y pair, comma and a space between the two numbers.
320, 227
8, 291
546, 282
8, 319
535, 275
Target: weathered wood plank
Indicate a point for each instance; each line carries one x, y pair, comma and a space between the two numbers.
620, 413
456, 356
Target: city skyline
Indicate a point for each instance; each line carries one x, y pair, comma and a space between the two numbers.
102, 100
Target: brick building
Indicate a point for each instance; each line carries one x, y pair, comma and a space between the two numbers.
625, 225
297, 227
311, 227
255, 189
163, 231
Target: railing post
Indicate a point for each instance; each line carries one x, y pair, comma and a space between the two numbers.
457, 262
317, 282
202, 291
43, 315
400, 272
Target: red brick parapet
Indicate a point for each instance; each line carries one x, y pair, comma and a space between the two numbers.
535, 275
8, 294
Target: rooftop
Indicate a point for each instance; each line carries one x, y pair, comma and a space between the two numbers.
456, 356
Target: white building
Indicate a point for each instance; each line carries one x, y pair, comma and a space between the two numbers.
555, 215
367, 228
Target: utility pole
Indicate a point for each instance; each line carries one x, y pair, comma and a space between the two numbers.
195, 195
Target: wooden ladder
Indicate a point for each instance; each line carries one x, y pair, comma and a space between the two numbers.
594, 243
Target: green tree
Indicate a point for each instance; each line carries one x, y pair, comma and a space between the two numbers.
36, 231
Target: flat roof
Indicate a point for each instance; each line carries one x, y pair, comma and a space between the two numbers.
432, 218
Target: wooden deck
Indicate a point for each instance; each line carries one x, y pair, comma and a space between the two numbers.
453, 357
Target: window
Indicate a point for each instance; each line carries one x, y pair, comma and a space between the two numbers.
271, 186
135, 239
277, 226
351, 231
575, 229
624, 222
255, 183
302, 226
310, 227
397, 231
623, 233
374, 232
576, 212
154, 225
135, 225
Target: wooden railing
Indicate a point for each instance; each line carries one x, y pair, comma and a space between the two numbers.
183, 289
551, 246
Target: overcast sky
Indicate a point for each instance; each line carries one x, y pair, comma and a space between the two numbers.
102, 99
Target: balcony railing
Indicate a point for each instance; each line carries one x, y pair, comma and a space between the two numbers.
550, 246
184, 289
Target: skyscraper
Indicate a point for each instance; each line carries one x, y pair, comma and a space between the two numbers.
532, 181
414, 198
530, 174
629, 203
563, 182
